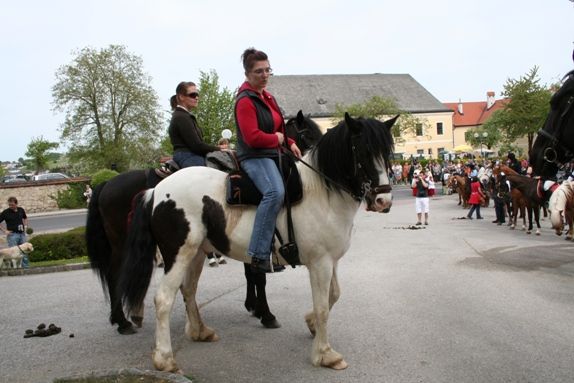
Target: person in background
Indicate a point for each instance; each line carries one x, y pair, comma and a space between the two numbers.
420, 188
501, 195
513, 163
88, 193
16, 225
184, 133
223, 143
475, 195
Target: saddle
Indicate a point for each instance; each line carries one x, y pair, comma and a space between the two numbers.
241, 191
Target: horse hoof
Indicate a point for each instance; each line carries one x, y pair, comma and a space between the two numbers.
528, 232
537, 232
127, 329
138, 321
340, 365
271, 324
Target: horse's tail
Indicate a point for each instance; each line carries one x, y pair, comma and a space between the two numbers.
138, 265
97, 243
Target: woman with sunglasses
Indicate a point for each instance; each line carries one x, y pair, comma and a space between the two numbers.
260, 133
184, 133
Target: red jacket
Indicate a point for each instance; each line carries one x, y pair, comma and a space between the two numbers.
475, 193
247, 121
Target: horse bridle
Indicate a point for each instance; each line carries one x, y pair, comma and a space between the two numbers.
550, 154
367, 190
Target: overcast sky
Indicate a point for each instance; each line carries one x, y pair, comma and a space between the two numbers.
453, 48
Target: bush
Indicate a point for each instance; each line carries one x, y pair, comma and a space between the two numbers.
51, 247
103, 176
71, 198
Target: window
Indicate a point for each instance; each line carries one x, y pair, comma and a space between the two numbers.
420, 152
440, 150
430, 152
439, 129
419, 129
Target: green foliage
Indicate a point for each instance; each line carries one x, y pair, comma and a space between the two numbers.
67, 245
72, 197
215, 110
381, 108
2, 171
526, 109
37, 151
102, 176
493, 135
112, 112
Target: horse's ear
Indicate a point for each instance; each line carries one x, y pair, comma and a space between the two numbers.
352, 124
389, 123
300, 118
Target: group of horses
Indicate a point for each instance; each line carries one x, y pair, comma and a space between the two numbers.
551, 151
185, 216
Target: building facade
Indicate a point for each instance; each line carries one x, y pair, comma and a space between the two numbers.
318, 96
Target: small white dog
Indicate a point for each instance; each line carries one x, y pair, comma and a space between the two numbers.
13, 255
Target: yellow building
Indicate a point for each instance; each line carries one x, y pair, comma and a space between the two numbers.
318, 95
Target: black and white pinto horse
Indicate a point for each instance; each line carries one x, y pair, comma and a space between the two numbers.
107, 226
554, 144
186, 216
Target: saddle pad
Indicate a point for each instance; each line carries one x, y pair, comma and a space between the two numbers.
242, 191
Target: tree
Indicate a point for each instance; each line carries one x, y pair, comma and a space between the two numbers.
215, 110
525, 110
379, 108
37, 151
112, 112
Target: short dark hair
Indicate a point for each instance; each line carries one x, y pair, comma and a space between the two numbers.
250, 56
13, 199
182, 87
173, 102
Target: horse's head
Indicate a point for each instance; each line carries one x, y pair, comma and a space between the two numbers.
371, 147
354, 157
554, 144
304, 131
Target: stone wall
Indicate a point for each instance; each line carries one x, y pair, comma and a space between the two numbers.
36, 196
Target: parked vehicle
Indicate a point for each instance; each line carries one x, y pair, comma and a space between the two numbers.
15, 178
50, 176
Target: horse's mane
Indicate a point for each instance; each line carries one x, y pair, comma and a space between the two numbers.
334, 157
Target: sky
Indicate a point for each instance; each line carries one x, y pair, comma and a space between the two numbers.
456, 49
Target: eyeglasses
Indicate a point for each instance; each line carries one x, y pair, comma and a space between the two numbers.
260, 71
193, 95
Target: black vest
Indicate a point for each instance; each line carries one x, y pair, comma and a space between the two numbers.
264, 122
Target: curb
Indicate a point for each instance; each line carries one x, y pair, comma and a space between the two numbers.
44, 270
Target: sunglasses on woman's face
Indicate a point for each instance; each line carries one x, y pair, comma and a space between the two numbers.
193, 95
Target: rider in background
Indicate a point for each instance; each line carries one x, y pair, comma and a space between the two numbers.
184, 133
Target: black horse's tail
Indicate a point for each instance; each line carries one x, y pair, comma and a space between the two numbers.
138, 264
99, 248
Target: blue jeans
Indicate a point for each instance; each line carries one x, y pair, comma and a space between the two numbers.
187, 159
15, 239
266, 177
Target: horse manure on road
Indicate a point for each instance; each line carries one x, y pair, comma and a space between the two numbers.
42, 331
409, 227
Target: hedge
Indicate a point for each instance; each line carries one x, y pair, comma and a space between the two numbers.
103, 176
66, 245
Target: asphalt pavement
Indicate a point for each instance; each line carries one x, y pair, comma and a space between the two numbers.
456, 301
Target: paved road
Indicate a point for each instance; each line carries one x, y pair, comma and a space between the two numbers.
458, 301
57, 221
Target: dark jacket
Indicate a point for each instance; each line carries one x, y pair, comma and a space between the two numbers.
256, 138
185, 135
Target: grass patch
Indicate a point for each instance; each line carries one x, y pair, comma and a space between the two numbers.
59, 262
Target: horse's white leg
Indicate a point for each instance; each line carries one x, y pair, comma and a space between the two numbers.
334, 293
321, 274
163, 354
194, 326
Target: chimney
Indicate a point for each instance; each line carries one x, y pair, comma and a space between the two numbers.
460, 110
489, 99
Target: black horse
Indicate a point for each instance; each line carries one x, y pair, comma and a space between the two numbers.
554, 144
107, 227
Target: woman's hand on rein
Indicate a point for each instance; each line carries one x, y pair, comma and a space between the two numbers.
296, 151
281, 137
